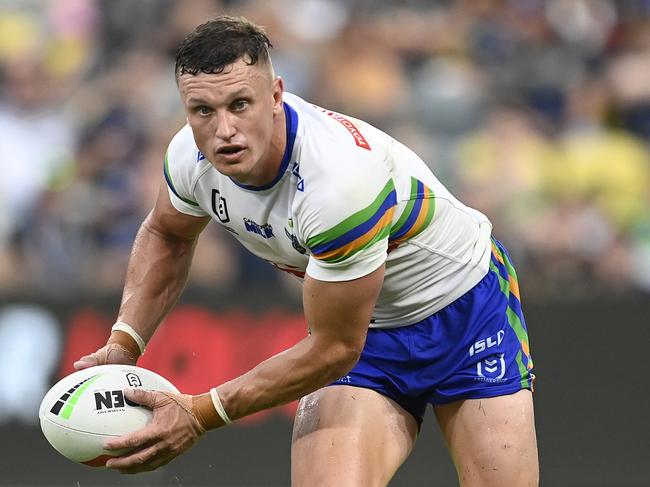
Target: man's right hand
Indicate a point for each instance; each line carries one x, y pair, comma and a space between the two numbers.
120, 349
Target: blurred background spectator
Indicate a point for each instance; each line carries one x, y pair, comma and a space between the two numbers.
535, 112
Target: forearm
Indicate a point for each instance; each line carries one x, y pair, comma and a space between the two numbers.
338, 314
156, 275
300, 370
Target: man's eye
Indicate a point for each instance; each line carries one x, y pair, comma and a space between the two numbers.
203, 110
239, 105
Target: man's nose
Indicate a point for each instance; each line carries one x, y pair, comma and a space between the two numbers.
225, 126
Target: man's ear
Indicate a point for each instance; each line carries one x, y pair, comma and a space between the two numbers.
278, 90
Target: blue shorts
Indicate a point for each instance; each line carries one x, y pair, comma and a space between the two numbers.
476, 347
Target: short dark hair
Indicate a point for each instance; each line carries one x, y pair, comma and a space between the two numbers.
218, 43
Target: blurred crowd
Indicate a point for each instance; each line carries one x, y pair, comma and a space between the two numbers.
535, 112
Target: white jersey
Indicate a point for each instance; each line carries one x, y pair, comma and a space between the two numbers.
347, 199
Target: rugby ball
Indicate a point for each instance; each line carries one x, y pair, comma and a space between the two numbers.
87, 407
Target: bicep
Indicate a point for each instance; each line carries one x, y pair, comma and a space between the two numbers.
340, 312
168, 222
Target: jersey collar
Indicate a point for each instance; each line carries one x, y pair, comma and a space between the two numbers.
291, 122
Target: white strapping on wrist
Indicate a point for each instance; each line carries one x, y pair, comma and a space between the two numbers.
128, 329
218, 406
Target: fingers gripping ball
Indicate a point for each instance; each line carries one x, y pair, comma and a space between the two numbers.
88, 407
175, 427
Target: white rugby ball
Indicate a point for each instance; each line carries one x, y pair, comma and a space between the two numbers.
87, 407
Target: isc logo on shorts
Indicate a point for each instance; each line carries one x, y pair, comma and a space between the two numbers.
491, 369
486, 343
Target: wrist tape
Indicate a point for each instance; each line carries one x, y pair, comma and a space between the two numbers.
218, 406
126, 328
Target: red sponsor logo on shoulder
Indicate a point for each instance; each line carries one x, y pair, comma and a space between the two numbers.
359, 139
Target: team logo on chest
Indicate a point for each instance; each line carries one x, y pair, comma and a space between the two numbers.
265, 231
294, 241
219, 206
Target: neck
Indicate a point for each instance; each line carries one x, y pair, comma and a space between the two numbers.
278, 142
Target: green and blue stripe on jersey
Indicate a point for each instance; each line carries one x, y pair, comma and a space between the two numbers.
168, 178
374, 223
357, 232
416, 216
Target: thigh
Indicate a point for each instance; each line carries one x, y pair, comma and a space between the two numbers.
492, 441
349, 436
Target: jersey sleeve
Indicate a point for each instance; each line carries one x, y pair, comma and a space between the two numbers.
180, 170
347, 231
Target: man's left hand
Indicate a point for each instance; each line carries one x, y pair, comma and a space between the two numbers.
173, 429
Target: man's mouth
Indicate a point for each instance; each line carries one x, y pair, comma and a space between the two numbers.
231, 150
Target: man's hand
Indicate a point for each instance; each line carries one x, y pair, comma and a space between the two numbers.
113, 353
120, 349
176, 425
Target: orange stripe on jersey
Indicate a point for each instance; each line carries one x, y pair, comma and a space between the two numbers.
419, 223
342, 252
